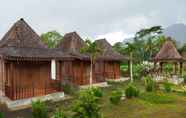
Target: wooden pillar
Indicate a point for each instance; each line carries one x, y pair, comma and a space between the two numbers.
154, 64
181, 67
175, 68
161, 67
128, 68
82, 73
104, 70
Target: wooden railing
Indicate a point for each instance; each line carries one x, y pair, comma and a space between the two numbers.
20, 92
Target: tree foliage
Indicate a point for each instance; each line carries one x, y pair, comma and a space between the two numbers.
91, 48
51, 38
145, 44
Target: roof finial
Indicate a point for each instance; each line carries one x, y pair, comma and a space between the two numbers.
21, 19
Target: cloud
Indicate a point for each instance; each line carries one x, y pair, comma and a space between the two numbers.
91, 18
114, 37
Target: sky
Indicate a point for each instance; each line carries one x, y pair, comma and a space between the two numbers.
114, 20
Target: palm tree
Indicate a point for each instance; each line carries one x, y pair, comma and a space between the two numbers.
130, 49
92, 49
149, 46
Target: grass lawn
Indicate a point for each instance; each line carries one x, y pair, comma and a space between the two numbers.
148, 105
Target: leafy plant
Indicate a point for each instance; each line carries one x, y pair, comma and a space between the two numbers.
1, 115
138, 71
167, 87
149, 84
86, 106
97, 92
59, 114
69, 89
184, 77
39, 109
115, 97
131, 91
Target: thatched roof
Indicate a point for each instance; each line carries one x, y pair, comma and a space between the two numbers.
107, 53
21, 35
168, 52
21, 42
22, 53
72, 44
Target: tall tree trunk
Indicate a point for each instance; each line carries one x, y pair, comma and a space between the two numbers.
131, 71
91, 68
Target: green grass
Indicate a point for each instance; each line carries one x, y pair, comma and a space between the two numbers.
157, 98
148, 105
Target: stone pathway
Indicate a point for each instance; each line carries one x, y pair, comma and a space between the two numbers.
25, 103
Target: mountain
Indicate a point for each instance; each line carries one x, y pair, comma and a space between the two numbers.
176, 31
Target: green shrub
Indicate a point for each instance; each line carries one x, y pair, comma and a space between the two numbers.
157, 98
167, 87
1, 115
184, 77
87, 105
59, 114
115, 97
39, 109
149, 84
97, 92
137, 71
131, 91
69, 89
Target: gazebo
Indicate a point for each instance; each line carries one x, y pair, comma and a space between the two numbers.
169, 54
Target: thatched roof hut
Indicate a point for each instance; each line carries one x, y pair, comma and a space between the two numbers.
72, 44
21, 42
107, 52
168, 52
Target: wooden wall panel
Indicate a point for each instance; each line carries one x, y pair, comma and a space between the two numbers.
28, 79
106, 70
2, 81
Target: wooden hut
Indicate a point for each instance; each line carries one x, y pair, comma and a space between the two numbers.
107, 65
183, 54
75, 71
169, 54
25, 64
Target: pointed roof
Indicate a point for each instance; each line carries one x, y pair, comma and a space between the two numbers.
22, 35
168, 52
107, 51
72, 43
21, 42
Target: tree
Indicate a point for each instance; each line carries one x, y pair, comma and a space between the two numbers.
119, 47
92, 49
51, 38
145, 43
131, 49
148, 35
